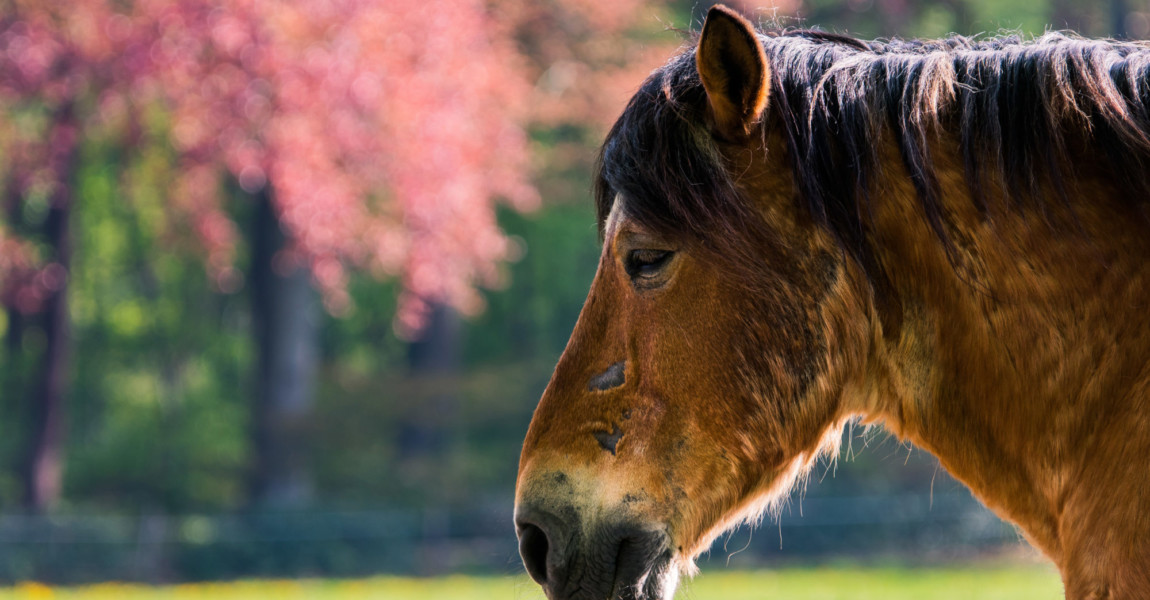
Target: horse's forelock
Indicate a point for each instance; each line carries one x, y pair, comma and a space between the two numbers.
661, 157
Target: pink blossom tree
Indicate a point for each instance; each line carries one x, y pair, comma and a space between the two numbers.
372, 135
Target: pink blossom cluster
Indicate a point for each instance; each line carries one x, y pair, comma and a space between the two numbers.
587, 56
383, 130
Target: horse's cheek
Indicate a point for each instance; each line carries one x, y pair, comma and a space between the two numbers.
689, 383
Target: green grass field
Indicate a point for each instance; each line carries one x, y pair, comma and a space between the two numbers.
1029, 583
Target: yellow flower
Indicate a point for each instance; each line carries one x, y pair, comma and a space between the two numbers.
33, 590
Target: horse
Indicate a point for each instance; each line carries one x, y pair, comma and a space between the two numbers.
800, 230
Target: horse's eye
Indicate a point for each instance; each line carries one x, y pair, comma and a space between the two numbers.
645, 264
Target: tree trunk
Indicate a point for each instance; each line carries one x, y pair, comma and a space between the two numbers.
436, 350
42, 467
433, 359
425, 432
285, 317
13, 367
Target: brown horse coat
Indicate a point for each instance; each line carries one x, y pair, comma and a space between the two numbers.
948, 238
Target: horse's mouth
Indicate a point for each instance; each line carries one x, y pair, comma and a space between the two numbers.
650, 579
638, 576
617, 561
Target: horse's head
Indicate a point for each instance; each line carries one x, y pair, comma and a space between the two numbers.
706, 369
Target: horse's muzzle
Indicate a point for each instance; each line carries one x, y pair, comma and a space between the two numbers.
574, 560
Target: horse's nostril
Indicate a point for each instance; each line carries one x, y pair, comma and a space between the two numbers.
533, 547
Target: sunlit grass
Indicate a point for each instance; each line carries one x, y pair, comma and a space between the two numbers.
1032, 583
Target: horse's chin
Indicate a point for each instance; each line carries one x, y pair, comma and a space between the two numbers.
657, 581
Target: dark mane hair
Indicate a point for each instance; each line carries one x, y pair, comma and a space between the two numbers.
1011, 104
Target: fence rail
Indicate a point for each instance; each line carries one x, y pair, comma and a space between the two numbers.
75, 548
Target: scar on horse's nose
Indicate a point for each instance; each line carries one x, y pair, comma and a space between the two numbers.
613, 377
609, 440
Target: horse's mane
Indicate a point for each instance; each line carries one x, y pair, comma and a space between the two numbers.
1016, 109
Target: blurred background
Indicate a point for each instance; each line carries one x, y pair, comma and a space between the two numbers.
281, 283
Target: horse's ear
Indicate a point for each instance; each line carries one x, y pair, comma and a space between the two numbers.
733, 67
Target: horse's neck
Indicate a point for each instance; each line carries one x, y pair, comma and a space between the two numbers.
1022, 355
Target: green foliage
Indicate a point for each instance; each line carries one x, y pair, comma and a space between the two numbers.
1031, 17
157, 417
929, 18
482, 411
533, 317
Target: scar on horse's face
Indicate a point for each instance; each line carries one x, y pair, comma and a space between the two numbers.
612, 378
673, 412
